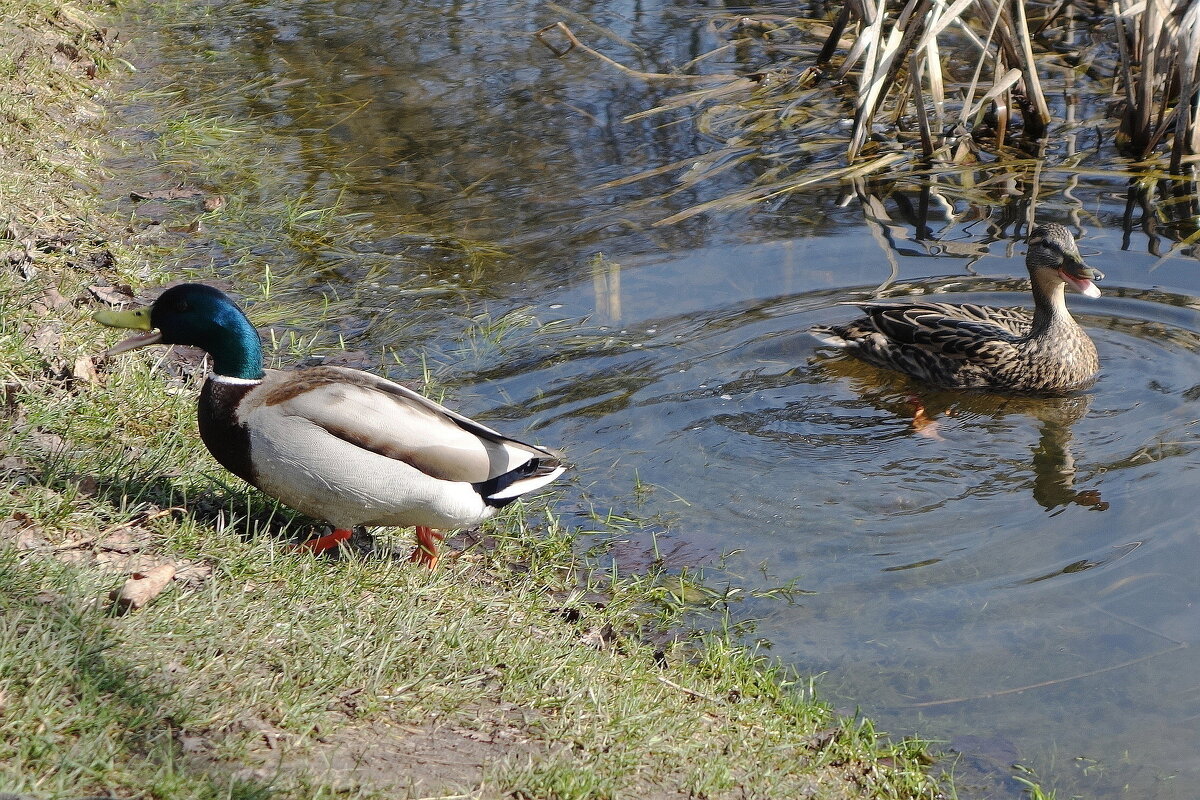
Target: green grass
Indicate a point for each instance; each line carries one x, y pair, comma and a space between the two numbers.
241, 678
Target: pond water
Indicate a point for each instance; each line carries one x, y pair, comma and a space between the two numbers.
1017, 581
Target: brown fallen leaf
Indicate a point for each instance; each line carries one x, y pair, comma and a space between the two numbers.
127, 540
84, 370
46, 441
47, 339
142, 587
213, 202
51, 300
113, 295
20, 532
193, 574
13, 464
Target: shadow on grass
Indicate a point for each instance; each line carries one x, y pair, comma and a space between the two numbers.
136, 492
79, 717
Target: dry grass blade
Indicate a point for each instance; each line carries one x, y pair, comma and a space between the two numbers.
935, 84
1030, 69
915, 71
757, 194
885, 67
573, 43
999, 86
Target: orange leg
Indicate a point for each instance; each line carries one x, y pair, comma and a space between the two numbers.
326, 542
923, 424
427, 546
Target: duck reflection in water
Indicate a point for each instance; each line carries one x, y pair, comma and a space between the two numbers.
1052, 463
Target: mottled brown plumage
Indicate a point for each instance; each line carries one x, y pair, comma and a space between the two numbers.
970, 346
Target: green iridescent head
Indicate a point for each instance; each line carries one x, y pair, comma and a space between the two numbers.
197, 315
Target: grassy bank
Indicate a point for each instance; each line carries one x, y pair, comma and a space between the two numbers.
514, 670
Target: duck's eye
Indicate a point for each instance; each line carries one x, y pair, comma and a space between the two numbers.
181, 306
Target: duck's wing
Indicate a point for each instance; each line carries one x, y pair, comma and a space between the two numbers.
1016, 321
391, 420
950, 330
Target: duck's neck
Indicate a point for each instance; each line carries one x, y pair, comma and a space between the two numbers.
1049, 304
237, 353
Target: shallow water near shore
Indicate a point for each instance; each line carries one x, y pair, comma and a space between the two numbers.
1015, 579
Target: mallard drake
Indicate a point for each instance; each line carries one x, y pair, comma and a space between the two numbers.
337, 444
972, 346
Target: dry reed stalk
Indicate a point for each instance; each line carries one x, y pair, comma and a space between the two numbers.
1159, 63
573, 43
937, 87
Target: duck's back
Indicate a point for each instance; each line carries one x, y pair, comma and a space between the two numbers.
356, 449
967, 346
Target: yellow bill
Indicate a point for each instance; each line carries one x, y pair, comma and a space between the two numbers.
137, 319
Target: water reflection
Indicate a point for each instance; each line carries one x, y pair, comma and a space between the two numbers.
1166, 212
1052, 464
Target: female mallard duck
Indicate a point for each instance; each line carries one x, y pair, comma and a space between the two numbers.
337, 444
968, 346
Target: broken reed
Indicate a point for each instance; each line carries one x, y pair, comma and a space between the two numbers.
1160, 51
896, 63
898, 57
892, 62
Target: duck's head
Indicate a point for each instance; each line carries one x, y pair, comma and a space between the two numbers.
1052, 247
197, 315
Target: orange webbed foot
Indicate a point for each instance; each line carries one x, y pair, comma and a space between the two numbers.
426, 551
323, 543
923, 424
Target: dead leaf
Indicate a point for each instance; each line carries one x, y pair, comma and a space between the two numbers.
126, 540
47, 340
47, 442
128, 563
142, 587
213, 202
113, 295
21, 532
193, 573
75, 544
84, 370
13, 464
192, 745
51, 300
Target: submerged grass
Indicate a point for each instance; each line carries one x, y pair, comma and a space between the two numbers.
263, 673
